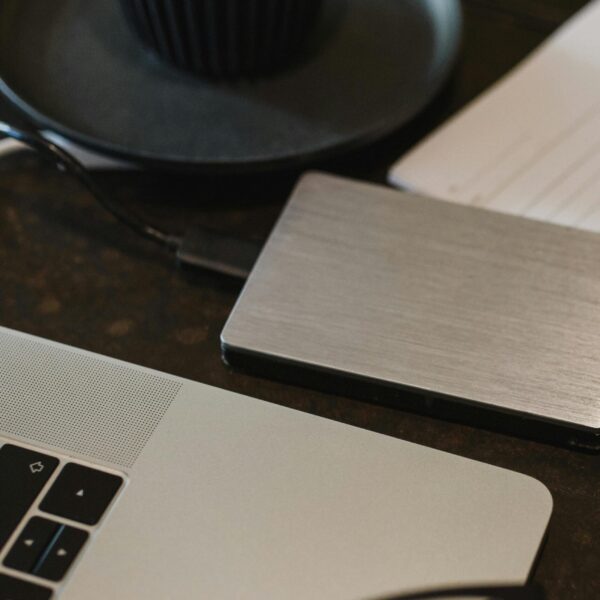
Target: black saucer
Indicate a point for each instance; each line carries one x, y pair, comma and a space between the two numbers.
74, 67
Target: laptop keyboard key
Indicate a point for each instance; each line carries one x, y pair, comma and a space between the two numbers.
15, 589
31, 544
23, 474
81, 494
58, 557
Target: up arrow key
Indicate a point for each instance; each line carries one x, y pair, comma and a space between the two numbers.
80, 493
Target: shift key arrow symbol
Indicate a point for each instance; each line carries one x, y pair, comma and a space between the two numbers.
80, 493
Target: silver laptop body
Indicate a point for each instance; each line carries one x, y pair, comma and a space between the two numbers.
227, 497
382, 291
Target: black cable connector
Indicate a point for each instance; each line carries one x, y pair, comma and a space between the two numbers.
198, 247
217, 252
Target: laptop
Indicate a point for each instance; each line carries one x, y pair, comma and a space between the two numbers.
450, 310
121, 482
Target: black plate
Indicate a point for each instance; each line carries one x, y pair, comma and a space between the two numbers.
74, 67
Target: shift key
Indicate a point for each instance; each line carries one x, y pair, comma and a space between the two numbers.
23, 474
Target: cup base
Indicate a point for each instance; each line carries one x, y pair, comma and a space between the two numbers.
225, 39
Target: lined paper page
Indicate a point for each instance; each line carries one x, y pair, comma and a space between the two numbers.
530, 145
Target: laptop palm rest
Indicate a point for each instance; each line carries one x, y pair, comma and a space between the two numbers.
400, 298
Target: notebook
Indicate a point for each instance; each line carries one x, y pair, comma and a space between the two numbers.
529, 146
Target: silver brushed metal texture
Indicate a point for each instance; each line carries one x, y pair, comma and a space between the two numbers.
403, 289
232, 498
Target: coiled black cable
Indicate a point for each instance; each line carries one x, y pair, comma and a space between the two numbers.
67, 162
198, 247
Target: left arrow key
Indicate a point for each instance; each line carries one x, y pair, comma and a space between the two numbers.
30, 545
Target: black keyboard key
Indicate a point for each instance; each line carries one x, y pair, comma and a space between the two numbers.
57, 558
81, 494
23, 474
38, 535
15, 589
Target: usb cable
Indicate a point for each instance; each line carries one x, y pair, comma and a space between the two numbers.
197, 247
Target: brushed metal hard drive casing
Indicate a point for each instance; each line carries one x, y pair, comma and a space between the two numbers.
407, 292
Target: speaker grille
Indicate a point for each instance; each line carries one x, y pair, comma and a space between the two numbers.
77, 402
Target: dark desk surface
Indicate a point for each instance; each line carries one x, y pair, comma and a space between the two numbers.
70, 273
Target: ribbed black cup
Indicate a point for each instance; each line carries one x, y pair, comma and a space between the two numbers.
223, 38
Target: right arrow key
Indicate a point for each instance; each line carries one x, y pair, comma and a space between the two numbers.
60, 555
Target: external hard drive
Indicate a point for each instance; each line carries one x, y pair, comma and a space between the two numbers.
454, 310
